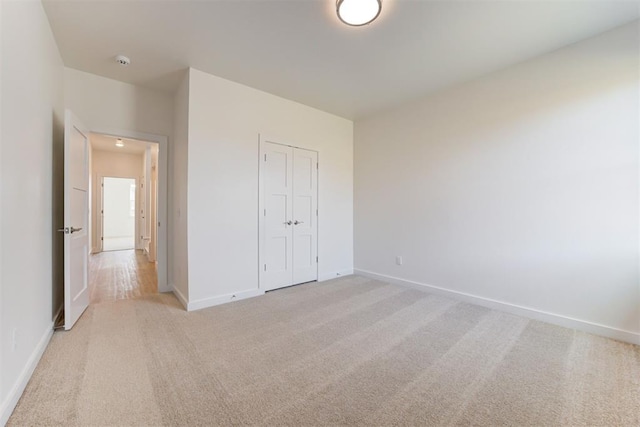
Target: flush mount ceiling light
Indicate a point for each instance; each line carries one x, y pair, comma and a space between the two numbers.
119, 143
358, 12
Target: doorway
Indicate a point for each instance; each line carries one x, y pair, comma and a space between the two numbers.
124, 210
118, 213
82, 235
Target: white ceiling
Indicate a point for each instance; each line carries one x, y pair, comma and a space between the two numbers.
299, 50
108, 143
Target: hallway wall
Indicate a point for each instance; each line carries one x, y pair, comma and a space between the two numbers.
31, 118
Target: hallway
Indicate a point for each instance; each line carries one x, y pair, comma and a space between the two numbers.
118, 275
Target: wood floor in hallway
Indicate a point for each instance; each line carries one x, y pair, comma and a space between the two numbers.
117, 275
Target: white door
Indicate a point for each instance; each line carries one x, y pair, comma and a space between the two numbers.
305, 224
288, 227
277, 213
76, 216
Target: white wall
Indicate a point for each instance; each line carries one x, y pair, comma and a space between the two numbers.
520, 187
105, 103
225, 119
178, 255
32, 99
117, 165
109, 106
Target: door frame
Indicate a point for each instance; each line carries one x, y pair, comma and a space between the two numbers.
262, 138
162, 205
137, 216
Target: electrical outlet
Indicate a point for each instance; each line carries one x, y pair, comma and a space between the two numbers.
399, 260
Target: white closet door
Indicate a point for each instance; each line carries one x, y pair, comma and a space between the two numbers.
305, 224
277, 176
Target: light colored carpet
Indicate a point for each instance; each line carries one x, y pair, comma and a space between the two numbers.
345, 352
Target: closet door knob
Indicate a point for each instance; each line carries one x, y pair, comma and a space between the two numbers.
288, 223
298, 222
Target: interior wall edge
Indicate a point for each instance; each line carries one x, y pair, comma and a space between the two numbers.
180, 297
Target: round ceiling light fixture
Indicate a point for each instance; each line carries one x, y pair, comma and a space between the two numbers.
119, 143
358, 12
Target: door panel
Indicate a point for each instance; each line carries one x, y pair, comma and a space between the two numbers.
303, 170
76, 219
289, 230
304, 257
277, 256
305, 204
78, 284
279, 159
276, 270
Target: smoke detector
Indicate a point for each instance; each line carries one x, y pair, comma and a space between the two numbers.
123, 60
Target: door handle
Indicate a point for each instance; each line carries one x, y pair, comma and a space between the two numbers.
69, 230
298, 222
287, 223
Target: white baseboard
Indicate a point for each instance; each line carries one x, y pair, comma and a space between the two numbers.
222, 299
164, 288
531, 313
334, 274
181, 298
16, 391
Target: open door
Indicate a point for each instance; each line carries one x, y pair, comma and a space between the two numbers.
76, 217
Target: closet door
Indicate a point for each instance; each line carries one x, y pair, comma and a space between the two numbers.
277, 254
288, 225
305, 224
